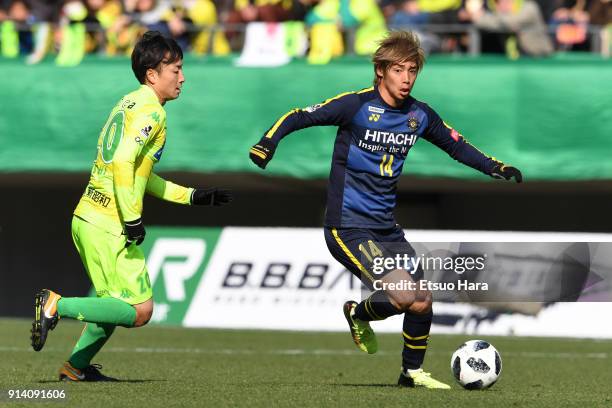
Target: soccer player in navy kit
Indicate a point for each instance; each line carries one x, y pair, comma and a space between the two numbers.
377, 127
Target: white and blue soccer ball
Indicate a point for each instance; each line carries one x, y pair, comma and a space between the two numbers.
476, 365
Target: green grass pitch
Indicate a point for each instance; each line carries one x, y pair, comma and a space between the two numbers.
166, 367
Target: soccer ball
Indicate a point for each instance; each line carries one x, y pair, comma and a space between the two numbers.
476, 365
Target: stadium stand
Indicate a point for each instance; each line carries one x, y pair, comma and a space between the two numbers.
336, 27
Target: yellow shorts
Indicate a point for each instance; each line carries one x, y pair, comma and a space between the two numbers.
114, 270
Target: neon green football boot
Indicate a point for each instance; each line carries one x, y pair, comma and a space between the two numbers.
419, 378
362, 333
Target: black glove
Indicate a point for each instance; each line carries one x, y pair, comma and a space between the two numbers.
262, 152
211, 196
135, 232
501, 171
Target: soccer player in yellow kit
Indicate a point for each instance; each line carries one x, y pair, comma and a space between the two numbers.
107, 225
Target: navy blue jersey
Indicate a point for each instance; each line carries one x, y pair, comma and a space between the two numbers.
371, 145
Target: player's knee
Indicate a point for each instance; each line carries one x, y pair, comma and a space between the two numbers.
422, 305
142, 317
144, 311
404, 300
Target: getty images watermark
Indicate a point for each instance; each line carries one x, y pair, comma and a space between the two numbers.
417, 265
544, 272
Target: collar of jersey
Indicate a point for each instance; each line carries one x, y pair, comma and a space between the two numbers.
149, 93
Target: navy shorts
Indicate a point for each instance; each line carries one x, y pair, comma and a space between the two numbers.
358, 248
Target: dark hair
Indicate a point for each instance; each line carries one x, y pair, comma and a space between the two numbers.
152, 50
398, 47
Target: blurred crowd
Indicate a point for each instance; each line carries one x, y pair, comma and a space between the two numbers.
513, 27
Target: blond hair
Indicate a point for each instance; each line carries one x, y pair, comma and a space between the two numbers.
398, 47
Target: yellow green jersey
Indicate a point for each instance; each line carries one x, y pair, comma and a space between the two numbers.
129, 145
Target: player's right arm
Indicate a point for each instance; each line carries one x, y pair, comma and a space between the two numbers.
337, 111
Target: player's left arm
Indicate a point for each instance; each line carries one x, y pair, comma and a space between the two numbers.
457, 147
126, 180
169, 191
125, 177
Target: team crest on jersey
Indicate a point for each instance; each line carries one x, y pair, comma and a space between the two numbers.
312, 108
413, 123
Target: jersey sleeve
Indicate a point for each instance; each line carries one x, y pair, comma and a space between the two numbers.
453, 143
335, 111
138, 135
168, 191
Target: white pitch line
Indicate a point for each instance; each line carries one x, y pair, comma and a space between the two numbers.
307, 352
